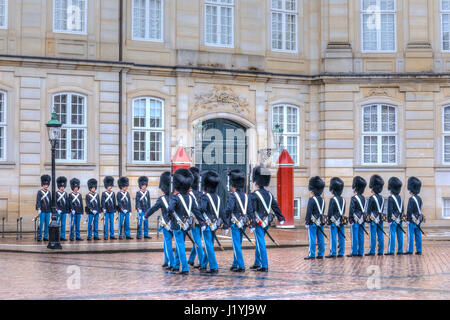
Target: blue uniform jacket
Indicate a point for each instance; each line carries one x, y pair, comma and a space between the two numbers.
175, 205
333, 208
92, 202
76, 202
143, 202
233, 207
412, 208
258, 207
372, 205
123, 201
62, 203
312, 210
206, 207
110, 205
355, 208
392, 210
159, 204
44, 203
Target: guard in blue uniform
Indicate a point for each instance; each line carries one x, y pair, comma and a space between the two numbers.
263, 202
108, 207
142, 205
196, 251
62, 205
238, 215
76, 210
166, 221
375, 215
336, 210
356, 216
92, 201
314, 219
124, 208
44, 206
395, 216
414, 216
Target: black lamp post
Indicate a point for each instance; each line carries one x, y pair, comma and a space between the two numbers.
54, 134
198, 132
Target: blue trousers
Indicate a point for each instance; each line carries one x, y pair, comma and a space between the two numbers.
142, 222
62, 220
93, 225
374, 233
180, 250
238, 258
44, 221
75, 221
124, 220
168, 251
313, 235
414, 234
339, 232
394, 231
196, 251
109, 224
209, 247
357, 234
260, 249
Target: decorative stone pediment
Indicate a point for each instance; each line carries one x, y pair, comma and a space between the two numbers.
220, 98
378, 92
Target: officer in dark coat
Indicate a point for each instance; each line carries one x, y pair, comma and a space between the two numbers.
76, 210
142, 205
414, 216
356, 216
336, 210
395, 211
124, 207
195, 228
44, 206
92, 209
62, 205
314, 219
375, 215
109, 207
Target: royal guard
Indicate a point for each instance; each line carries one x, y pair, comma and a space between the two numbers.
92, 201
76, 210
375, 215
197, 251
62, 205
108, 207
142, 205
395, 216
44, 206
414, 216
336, 210
356, 216
124, 208
314, 219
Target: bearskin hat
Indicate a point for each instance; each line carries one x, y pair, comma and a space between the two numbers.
376, 183
182, 180
123, 182
359, 184
210, 181
61, 182
74, 183
394, 185
45, 179
237, 179
142, 181
336, 186
164, 182
316, 185
108, 181
196, 173
414, 185
261, 176
92, 183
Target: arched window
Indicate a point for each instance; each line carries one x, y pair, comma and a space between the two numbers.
147, 20
71, 110
69, 16
446, 135
148, 130
288, 118
378, 29
3, 126
379, 134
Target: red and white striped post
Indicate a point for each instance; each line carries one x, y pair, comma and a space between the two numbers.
180, 160
285, 189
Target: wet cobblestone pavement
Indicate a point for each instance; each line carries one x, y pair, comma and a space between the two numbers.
138, 275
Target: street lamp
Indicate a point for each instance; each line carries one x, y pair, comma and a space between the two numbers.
277, 136
54, 134
198, 134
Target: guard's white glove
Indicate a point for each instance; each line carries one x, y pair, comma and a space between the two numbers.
282, 222
125, 211
104, 210
95, 211
73, 211
252, 230
39, 211
225, 232
203, 228
58, 211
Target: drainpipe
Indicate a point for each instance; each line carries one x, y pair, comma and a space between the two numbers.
120, 85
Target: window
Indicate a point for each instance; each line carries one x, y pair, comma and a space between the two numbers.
379, 134
288, 118
69, 16
297, 206
445, 24
446, 134
71, 111
147, 20
378, 18
219, 22
148, 130
446, 208
3, 14
2, 126
284, 25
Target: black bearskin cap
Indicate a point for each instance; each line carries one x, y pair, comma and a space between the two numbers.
182, 180
164, 182
61, 182
336, 186
237, 179
74, 183
394, 185
376, 183
261, 176
142, 181
92, 183
359, 184
108, 182
196, 173
123, 182
316, 185
210, 181
45, 180
414, 185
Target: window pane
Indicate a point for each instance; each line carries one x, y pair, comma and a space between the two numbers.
139, 18
61, 146
226, 25
447, 148
70, 15
77, 110
292, 148
211, 24
155, 146
77, 144
2, 108
139, 142
60, 103
291, 34
370, 119
2, 142
388, 149
445, 5
447, 119
277, 113
388, 119
387, 5
155, 114
368, 3
370, 149
387, 32
292, 120
155, 19
277, 33
277, 4
446, 32
291, 5
139, 113
369, 32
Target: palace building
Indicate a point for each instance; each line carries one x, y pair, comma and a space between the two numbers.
358, 86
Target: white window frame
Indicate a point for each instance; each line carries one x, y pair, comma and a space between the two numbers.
379, 134
147, 20
69, 128
287, 134
378, 50
219, 4
4, 126
442, 13
284, 12
444, 200
298, 212
5, 26
55, 30
444, 134
147, 129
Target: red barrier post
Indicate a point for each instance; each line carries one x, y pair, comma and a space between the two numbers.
180, 160
285, 189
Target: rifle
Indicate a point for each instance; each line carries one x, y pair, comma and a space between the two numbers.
249, 185
273, 240
217, 240
377, 224
240, 226
314, 220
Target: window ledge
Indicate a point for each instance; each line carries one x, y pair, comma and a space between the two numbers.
72, 165
7, 164
143, 166
381, 168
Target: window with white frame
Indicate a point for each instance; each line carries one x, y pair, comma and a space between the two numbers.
445, 24
446, 134
219, 22
147, 130
297, 207
147, 20
3, 14
378, 18
70, 16
379, 134
284, 25
2, 126
288, 118
71, 111
446, 208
